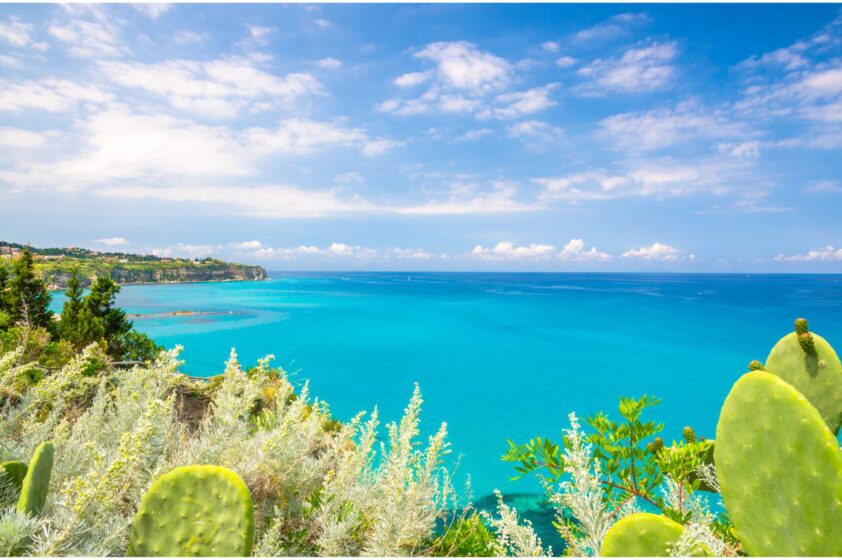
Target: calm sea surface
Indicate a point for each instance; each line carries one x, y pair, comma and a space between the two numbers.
497, 356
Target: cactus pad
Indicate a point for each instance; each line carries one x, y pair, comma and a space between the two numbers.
200, 510
13, 473
779, 469
816, 373
643, 534
33, 493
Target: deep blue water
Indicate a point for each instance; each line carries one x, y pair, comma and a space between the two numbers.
497, 356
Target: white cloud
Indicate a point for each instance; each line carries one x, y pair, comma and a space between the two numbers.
574, 250
377, 146
188, 37
186, 250
535, 131
411, 254
349, 177
217, 88
660, 178
152, 10
470, 198
565, 61
507, 250
639, 69
803, 82
519, 103
741, 149
322, 23
246, 245
659, 252
16, 32
271, 201
89, 38
411, 79
475, 134
48, 95
462, 66
825, 254
466, 80
550, 46
123, 145
301, 136
10, 61
661, 128
329, 63
112, 241
616, 26
502, 106
16, 138
824, 186
147, 149
340, 251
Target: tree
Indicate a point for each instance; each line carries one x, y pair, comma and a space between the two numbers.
100, 305
27, 297
4, 281
78, 325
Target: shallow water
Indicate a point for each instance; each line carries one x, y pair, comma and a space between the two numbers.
497, 356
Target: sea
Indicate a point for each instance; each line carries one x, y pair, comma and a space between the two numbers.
497, 356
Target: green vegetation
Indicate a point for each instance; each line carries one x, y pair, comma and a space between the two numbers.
641, 535
27, 323
169, 523
776, 465
780, 470
150, 462
33, 492
56, 265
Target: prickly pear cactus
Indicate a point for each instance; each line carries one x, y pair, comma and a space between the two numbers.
200, 510
780, 470
807, 362
33, 492
643, 534
13, 473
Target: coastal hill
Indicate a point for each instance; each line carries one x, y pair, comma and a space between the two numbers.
56, 264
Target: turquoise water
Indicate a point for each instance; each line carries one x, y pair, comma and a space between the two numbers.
497, 355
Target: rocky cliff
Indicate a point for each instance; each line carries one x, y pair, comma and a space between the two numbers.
57, 274
55, 265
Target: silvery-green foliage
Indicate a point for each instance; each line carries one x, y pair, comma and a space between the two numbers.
581, 496
513, 537
316, 491
16, 531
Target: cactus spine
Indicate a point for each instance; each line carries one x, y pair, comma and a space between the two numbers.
780, 470
199, 510
33, 493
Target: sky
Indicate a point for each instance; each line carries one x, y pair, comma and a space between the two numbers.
695, 138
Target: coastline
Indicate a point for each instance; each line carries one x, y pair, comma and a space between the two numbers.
57, 288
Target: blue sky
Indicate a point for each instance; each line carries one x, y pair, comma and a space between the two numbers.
428, 137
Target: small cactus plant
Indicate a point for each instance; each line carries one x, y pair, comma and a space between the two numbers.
644, 534
13, 473
33, 493
807, 362
199, 510
779, 468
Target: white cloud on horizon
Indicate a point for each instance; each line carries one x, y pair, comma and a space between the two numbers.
112, 241
825, 254
659, 252
574, 250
